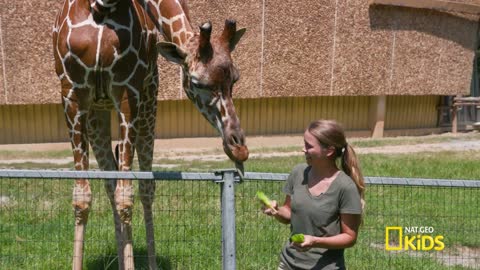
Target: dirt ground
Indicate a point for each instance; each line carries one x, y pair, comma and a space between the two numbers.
181, 144
260, 146
210, 144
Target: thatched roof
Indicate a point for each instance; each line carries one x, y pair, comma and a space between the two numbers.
292, 48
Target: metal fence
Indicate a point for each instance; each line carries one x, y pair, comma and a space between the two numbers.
36, 223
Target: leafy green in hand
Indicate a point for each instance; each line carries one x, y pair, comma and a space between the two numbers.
298, 238
264, 199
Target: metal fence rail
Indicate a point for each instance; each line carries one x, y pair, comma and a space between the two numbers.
173, 175
36, 222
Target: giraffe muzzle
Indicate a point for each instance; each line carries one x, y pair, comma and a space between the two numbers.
235, 148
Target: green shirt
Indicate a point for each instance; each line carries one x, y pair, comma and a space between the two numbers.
318, 216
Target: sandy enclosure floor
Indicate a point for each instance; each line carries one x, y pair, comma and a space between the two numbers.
260, 146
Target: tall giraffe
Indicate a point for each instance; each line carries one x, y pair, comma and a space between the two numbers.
106, 58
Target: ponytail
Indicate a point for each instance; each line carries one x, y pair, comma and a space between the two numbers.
351, 167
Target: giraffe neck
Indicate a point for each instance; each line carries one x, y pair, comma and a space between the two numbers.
174, 21
171, 15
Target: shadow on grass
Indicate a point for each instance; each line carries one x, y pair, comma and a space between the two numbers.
109, 261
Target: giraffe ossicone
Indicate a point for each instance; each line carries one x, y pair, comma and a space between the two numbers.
106, 59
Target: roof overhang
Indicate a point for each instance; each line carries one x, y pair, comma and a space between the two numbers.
440, 5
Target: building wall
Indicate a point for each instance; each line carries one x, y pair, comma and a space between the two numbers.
267, 116
291, 48
407, 112
32, 124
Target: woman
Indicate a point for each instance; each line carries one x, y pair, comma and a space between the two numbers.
322, 202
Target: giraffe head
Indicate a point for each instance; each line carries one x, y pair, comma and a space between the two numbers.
208, 78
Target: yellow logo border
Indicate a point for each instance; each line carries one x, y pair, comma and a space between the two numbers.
400, 231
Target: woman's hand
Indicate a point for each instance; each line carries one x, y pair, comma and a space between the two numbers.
269, 211
280, 213
308, 242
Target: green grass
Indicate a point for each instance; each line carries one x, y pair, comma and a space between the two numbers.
389, 141
36, 225
415, 140
444, 165
18, 154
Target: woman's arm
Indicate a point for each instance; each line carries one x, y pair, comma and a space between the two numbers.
346, 239
282, 213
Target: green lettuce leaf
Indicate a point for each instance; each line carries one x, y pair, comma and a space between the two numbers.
264, 199
298, 238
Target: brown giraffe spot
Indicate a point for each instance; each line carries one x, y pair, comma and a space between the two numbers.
120, 41
61, 47
222, 111
166, 29
176, 40
120, 72
177, 25
183, 36
140, 72
80, 40
76, 70
152, 10
78, 12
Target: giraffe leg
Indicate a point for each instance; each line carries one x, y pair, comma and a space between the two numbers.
144, 145
99, 134
82, 195
147, 191
127, 107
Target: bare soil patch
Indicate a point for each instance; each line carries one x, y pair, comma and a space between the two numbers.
210, 149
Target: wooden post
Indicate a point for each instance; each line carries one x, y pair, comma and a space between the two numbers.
455, 106
376, 121
454, 119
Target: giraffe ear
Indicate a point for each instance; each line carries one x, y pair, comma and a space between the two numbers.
172, 52
236, 38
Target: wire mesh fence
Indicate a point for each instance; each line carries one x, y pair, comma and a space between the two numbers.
36, 225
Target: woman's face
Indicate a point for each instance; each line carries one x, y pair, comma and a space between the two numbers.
314, 151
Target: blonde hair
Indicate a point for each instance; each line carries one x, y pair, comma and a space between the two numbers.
330, 133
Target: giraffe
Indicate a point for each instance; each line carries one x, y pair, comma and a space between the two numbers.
106, 59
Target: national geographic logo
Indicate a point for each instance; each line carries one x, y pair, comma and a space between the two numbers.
413, 238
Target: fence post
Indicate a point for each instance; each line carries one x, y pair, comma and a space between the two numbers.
227, 185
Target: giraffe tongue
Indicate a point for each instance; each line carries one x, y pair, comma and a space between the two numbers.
241, 168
